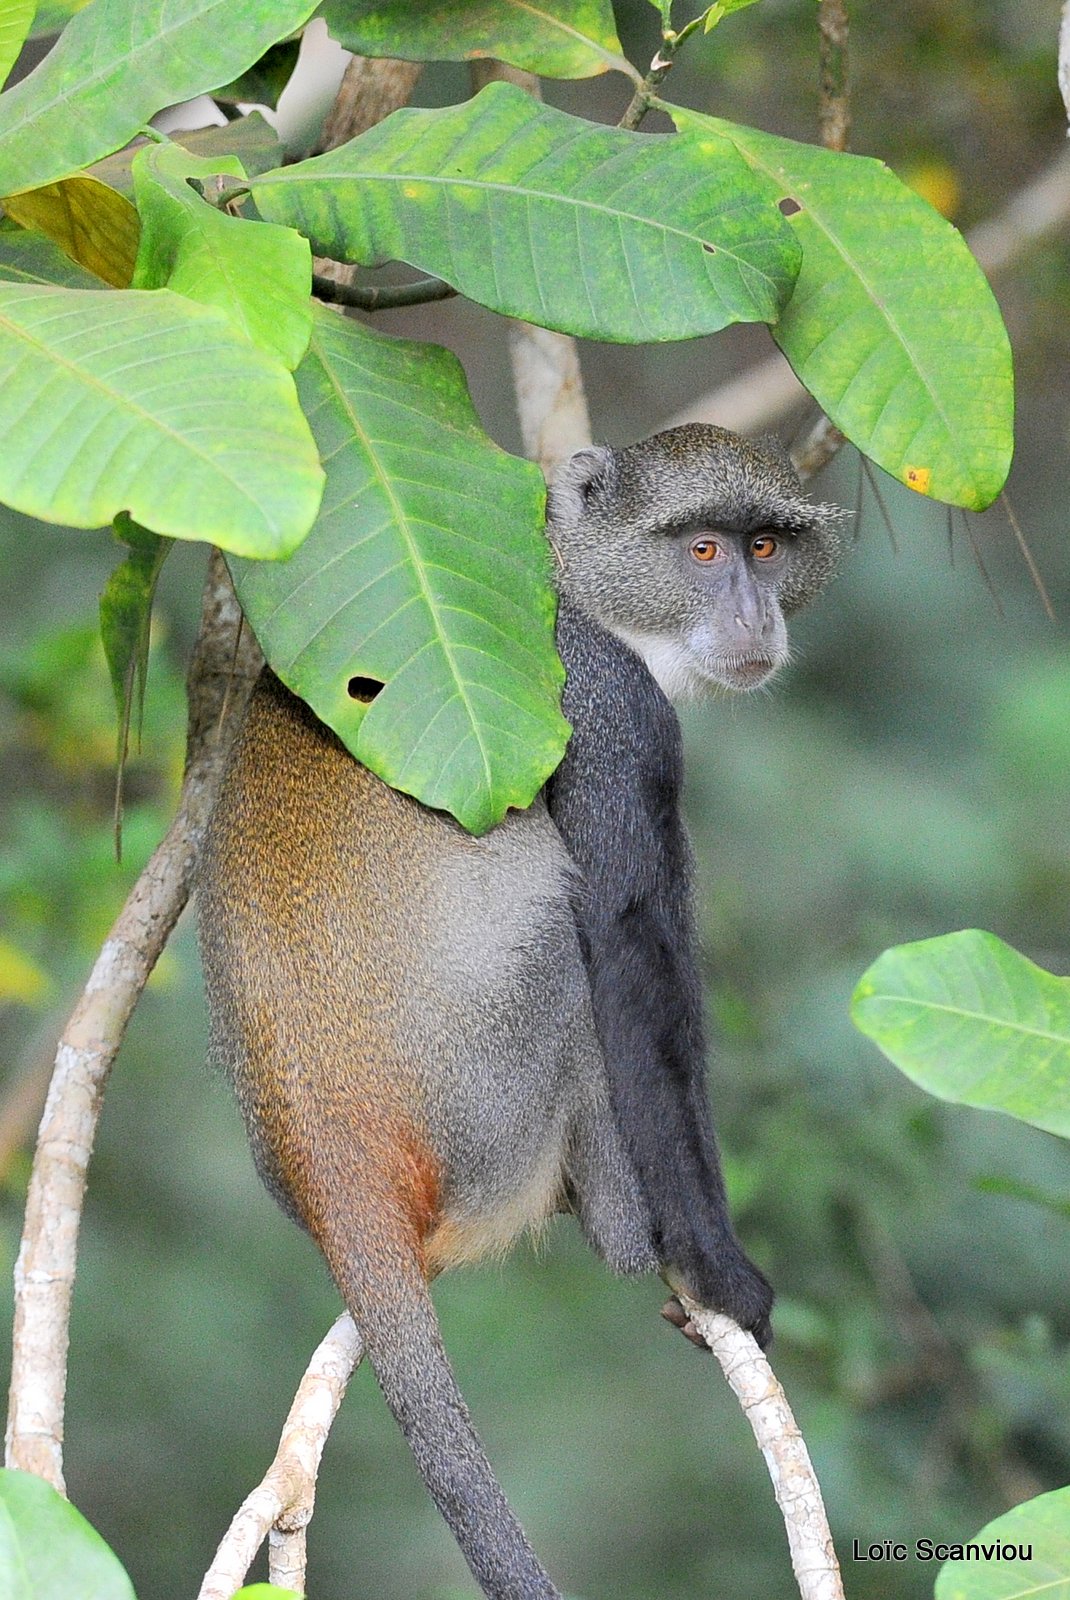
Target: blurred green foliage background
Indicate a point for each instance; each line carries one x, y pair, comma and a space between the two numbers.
909, 775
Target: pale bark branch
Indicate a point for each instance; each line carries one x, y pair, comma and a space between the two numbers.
1064, 55
550, 402
45, 1269
834, 110
795, 1485
281, 1505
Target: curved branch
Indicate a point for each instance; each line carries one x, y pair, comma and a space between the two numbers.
798, 1494
282, 1503
45, 1269
380, 297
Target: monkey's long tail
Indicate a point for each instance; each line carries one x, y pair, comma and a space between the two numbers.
392, 1307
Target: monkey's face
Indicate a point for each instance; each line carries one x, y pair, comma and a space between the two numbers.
693, 547
718, 622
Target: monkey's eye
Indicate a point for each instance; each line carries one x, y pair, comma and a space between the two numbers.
764, 547
704, 549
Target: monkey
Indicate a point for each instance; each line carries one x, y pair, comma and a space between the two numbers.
438, 1040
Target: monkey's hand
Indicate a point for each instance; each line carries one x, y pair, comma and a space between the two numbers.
739, 1290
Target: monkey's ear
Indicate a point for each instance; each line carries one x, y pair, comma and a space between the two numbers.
574, 481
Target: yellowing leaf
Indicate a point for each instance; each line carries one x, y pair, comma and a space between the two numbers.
91, 223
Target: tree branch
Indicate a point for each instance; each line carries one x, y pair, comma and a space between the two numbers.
220, 677
380, 297
1064, 55
282, 1503
834, 110
550, 402
795, 1484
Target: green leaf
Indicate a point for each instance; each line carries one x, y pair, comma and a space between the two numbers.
116, 65
971, 1020
48, 1551
426, 571
16, 17
256, 272
125, 623
1014, 1189
723, 8
1043, 1523
554, 38
266, 1591
199, 437
590, 230
31, 258
265, 80
52, 16
126, 616
250, 140
892, 326
90, 222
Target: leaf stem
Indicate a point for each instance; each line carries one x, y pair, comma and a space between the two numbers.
385, 297
645, 94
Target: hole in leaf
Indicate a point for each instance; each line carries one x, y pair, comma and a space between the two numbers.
711, 248
788, 206
363, 689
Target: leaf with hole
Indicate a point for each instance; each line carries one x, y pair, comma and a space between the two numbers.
975, 1022
118, 400
90, 222
428, 572
539, 215
115, 65
554, 38
256, 272
48, 1551
892, 326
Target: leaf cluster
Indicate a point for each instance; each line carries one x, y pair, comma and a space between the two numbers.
159, 358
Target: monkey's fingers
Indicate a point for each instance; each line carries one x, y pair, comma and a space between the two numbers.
674, 1312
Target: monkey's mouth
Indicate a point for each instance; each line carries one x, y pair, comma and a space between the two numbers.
746, 672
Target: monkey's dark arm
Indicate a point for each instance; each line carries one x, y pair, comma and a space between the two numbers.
615, 802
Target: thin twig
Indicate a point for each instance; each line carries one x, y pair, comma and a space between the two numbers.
871, 478
1027, 556
834, 110
834, 125
380, 297
798, 1494
45, 1270
967, 523
281, 1505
